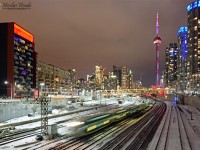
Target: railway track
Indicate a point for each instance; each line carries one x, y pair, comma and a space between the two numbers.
18, 135
25, 133
111, 132
79, 142
144, 137
94, 141
132, 134
80, 112
135, 137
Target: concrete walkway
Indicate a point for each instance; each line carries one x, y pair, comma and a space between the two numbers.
178, 130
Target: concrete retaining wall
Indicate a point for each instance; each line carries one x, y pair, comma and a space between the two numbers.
10, 110
192, 101
13, 110
188, 100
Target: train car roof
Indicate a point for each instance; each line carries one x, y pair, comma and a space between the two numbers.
99, 114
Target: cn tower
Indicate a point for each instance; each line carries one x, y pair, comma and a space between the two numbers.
157, 42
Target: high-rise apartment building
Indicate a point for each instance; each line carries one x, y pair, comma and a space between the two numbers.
127, 78
124, 77
110, 83
17, 59
182, 58
193, 63
193, 38
98, 74
54, 78
72, 79
130, 80
171, 55
117, 71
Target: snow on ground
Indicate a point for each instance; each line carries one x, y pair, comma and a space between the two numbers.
63, 130
104, 101
193, 116
178, 124
14, 145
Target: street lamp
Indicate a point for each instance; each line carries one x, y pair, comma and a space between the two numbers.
6, 83
41, 84
18, 86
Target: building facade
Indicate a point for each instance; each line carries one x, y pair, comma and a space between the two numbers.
193, 63
99, 75
124, 77
17, 60
72, 78
182, 58
193, 84
54, 79
130, 80
110, 81
171, 57
117, 71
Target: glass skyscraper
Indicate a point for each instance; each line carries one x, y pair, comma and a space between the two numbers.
182, 57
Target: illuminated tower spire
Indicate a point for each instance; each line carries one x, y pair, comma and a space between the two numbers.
157, 42
157, 25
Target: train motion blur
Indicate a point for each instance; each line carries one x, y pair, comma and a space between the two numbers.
92, 123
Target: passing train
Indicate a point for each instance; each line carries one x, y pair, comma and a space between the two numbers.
89, 124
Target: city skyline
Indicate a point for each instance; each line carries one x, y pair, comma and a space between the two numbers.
83, 34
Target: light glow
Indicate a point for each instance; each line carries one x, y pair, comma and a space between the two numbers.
182, 29
23, 33
193, 5
73, 124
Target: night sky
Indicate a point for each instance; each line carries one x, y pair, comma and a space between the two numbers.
83, 33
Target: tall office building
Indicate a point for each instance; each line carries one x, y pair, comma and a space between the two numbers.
171, 55
182, 58
117, 71
130, 80
124, 77
17, 59
72, 73
110, 83
98, 74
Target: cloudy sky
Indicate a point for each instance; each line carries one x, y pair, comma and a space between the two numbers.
83, 33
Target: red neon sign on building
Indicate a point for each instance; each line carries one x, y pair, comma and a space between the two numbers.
23, 33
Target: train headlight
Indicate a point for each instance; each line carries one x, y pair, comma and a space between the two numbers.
73, 124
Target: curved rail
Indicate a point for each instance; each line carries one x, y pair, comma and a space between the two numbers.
172, 133
124, 138
93, 139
